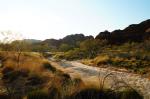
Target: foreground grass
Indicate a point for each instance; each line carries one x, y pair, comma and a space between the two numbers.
33, 77
88, 93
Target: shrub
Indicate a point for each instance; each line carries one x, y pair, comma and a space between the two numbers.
48, 66
54, 93
129, 94
34, 79
92, 93
75, 54
38, 94
4, 96
10, 74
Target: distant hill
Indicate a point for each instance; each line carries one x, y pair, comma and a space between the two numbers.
32, 41
71, 40
52, 43
75, 38
133, 33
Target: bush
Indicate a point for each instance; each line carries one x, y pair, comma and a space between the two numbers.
4, 96
34, 80
129, 94
48, 66
75, 54
92, 93
38, 94
54, 93
10, 74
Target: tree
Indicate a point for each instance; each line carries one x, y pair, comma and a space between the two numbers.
65, 47
11, 47
92, 47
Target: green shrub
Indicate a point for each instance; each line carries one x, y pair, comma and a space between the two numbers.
74, 54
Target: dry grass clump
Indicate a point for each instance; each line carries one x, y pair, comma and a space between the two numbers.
102, 59
133, 62
87, 61
30, 61
118, 90
97, 61
95, 93
60, 89
29, 72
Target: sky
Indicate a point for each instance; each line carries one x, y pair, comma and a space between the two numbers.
44, 19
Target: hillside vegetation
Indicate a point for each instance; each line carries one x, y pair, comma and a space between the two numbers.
128, 48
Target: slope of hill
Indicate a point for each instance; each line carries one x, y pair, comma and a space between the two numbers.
71, 41
32, 41
133, 33
128, 49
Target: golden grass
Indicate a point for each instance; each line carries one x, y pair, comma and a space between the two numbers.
102, 59
30, 61
58, 82
87, 61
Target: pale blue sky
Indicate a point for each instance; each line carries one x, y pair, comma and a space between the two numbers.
43, 19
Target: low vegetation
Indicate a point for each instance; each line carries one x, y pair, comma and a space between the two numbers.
128, 49
132, 56
33, 75
25, 73
36, 78
126, 56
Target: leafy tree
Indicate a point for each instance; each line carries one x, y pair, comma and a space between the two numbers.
92, 47
65, 47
